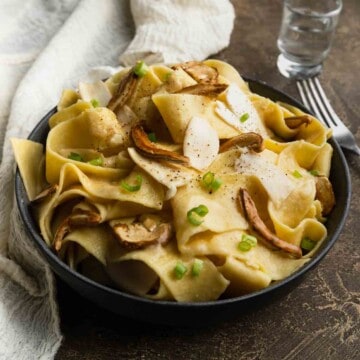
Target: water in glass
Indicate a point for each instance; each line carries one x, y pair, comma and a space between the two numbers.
305, 37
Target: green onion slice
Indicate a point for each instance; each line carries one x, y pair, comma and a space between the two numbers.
132, 188
152, 137
208, 179
247, 242
201, 210
75, 156
252, 240
210, 182
166, 76
244, 117
195, 214
307, 244
96, 162
180, 270
216, 184
95, 103
244, 246
140, 69
297, 174
314, 172
197, 267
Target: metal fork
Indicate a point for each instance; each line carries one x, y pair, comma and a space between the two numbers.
313, 97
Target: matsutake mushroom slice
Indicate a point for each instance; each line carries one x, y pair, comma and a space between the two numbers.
325, 194
259, 226
199, 71
79, 217
205, 89
251, 140
294, 122
201, 143
63, 230
124, 91
95, 91
138, 235
150, 149
50, 190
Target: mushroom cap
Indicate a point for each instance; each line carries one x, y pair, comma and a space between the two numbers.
325, 194
138, 235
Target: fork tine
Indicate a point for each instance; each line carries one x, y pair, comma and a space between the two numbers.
344, 136
328, 108
309, 101
320, 97
313, 96
302, 94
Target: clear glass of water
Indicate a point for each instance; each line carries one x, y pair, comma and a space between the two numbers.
305, 37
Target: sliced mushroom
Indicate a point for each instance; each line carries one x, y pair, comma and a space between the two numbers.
206, 89
82, 217
258, 225
251, 140
78, 218
325, 194
63, 230
124, 91
139, 235
294, 122
199, 71
45, 193
150, 149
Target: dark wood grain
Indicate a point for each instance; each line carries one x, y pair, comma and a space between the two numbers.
317, 318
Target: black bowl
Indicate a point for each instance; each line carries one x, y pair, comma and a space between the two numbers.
173, 313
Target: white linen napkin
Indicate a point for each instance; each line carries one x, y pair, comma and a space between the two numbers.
46, 45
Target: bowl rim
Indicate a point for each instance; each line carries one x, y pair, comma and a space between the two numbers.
51, 257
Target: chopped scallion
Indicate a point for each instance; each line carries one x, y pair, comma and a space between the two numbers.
195, 214
95, 103
201, 210
180, 270
297, 174
314, 172
197, 267
247, 242
96, 162
208, 179
244, 117
166, 76
152, 137
132, 188
244, 246
75, 156
210, 182
140, 69
252, 240
216, 184
307, 244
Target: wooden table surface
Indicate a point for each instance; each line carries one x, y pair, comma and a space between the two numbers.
319, 317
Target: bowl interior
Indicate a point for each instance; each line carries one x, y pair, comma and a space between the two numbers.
182, 313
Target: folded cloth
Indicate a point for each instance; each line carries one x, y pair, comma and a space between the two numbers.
46, 45
175, 31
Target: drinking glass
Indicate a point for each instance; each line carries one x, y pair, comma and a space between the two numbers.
305, 36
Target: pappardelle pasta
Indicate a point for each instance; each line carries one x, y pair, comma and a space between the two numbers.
179, 183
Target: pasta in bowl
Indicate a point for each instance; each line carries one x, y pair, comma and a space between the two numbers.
180, 184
